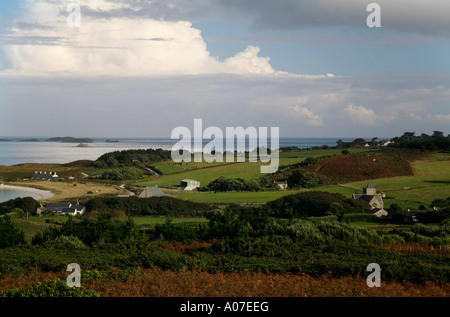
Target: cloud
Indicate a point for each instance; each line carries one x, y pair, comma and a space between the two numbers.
415, 16
152, 106
440, 117
360, 115
248, 62
311, 118
42, 43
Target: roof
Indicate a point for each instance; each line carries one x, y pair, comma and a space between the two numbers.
369, 185
73, 209
59, 205
369, 198
152, 192
189, 180
45, 176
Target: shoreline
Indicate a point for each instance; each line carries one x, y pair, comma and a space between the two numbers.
44, 193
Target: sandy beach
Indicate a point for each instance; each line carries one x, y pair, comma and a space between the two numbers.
44, 193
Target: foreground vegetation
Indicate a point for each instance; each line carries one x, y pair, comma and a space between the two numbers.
252, 242
240, 235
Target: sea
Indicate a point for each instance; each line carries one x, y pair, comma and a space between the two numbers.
8, 194
21, 150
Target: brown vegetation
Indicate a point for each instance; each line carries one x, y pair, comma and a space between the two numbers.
418, 247
162, 283
366, 165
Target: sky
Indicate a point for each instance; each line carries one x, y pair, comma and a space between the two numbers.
138, 68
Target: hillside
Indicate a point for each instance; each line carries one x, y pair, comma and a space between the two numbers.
367, 165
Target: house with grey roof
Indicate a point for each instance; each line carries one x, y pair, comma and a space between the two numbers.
52, 176
71, 208
375, 200
74, 210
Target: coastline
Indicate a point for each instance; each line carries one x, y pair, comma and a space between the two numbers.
44, 193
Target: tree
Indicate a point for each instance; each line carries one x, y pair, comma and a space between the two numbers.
9, 234
396, 213
304, 179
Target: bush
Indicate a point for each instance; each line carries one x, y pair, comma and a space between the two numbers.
66, 242
359, 217
433, 216
123, 174
347, 233
172, 232
90, 232
51, 288
305, 231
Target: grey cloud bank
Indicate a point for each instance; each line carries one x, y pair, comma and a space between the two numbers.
382, 105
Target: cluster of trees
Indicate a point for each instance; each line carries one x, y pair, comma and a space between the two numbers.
153, 206
128, 158
26, 205
89, 232
315, 204
356, 143
434, 142
303, 179
224, 184
439, 212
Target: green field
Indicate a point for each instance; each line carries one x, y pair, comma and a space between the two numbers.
207, 172
431, 180
31, 226
236, 197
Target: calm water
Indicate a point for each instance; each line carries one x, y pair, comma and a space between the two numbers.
7, 194
16, 151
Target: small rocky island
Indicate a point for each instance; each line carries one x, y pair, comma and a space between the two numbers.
82, 145
70, 140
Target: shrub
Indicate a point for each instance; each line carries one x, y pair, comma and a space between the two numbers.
91, 231
305, 231
51, 288
433, 216
172, 232
66, 242
357, 217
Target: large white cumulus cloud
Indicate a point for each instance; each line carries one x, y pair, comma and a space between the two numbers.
42, 43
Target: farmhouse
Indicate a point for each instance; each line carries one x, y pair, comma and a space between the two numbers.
375, 200
152, 192
282, 185
74, 210
189, 184
71, 208
52, 176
